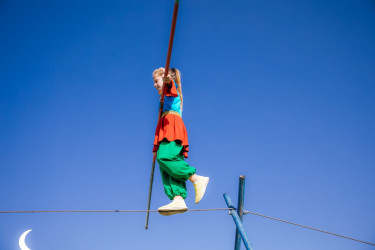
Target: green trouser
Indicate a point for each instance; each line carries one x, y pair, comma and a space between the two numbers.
173, 168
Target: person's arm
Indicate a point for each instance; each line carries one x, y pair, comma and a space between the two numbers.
170, 86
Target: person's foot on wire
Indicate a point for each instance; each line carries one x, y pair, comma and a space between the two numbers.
200, 188
177, 206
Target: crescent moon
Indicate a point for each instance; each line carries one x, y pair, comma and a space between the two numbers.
21, 241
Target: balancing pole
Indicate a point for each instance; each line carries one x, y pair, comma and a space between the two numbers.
170, 45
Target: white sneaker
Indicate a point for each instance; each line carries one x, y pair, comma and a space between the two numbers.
177, 206
200, 188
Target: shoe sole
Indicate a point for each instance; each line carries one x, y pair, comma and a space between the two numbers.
168, 213
204, 190
172, 209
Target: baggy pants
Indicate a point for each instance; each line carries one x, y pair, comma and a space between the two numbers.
173, 168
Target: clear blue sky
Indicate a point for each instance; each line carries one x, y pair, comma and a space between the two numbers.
280, 91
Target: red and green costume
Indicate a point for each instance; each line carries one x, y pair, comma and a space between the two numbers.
171, 145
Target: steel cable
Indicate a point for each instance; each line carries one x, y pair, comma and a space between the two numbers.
316, 229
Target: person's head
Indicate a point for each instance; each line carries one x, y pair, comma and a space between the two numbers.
157, 75
158, 79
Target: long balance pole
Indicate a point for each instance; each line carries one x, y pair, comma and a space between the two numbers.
170, 45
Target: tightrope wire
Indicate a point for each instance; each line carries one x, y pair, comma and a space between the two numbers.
299, 225
105, 211
190, 210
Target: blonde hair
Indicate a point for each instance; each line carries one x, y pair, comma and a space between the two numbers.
176, 76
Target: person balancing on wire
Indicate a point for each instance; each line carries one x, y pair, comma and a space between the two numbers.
171, 145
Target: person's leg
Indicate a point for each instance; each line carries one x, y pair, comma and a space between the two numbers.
175, 171
172, 161
194, 178
172, 187
168, 159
